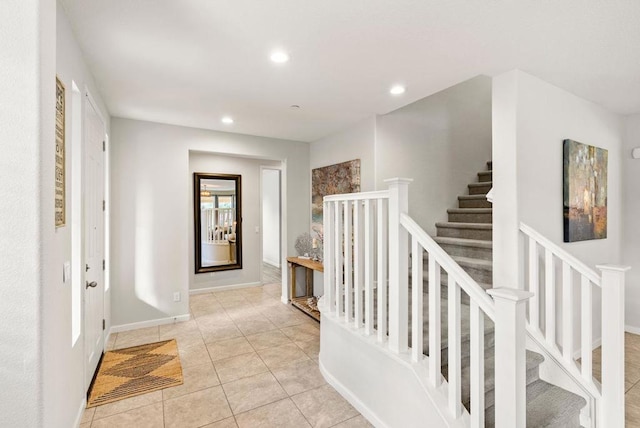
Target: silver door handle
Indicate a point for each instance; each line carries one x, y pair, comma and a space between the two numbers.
91, 284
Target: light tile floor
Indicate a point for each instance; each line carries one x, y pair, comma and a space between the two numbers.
632, 377
248, 361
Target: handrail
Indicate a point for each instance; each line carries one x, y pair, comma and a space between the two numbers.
475, 292
362, 196
576, 264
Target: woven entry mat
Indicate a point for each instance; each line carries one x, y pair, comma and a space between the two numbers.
128, 372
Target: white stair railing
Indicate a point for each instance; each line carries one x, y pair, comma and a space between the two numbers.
219, 224
551, 272
366, 258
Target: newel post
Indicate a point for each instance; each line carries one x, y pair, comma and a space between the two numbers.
398, 265
612, 411
511, 358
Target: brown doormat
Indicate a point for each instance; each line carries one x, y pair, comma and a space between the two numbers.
127, 372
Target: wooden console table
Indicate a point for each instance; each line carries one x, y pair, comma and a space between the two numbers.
301, 302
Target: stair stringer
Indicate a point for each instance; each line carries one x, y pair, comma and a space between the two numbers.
389, 389
555, 373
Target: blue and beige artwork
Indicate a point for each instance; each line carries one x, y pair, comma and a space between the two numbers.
585, 192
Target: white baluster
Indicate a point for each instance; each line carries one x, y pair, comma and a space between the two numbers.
338, 253
416, 301
550, 298
398, 266
534, 303
613, 278
328, 257
455, 384
348, 262
567, 312
368, 267
510, 351
358, 263
435, 288
586, 342
382, 269
477, 366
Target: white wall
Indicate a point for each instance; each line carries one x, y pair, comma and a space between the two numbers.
63, 363
27, 94
544, 116
531, 120
356, 142
441, 141
249, 169
151, 216
631, 210
505, 171
35, 305
271, 216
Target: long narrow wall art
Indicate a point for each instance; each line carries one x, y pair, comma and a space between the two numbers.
331, 180
585, 192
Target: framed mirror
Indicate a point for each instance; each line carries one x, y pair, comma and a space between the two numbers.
217, 222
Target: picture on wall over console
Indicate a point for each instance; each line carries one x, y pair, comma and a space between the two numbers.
331, 180
585, 192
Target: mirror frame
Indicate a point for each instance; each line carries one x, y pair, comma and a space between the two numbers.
197, 177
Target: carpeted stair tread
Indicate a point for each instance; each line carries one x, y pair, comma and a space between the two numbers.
482, 231
485, 176
548, 406
463, 242
472, 197
479, 188
533, 361
470, 210
474, 201
474, 263
456, 225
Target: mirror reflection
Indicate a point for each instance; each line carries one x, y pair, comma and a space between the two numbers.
218, 220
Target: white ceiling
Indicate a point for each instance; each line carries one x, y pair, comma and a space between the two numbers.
189, 62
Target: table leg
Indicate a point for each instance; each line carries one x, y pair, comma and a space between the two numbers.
293, 280
309, 282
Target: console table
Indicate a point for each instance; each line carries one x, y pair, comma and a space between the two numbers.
300, 302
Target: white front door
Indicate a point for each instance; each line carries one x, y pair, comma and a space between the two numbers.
93, 240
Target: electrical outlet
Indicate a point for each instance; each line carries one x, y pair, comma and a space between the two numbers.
176, 296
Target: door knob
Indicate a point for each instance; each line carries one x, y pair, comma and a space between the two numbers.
91, 284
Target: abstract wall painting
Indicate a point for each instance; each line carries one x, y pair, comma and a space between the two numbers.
585, 192
331, 180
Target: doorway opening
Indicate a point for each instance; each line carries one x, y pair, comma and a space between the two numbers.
271, 219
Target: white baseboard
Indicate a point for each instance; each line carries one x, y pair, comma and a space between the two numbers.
273, 263
596, 344
83, 406
149, 323
223, 287
632, 329
352, 399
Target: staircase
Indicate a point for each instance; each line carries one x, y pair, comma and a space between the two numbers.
439, 321
466, 237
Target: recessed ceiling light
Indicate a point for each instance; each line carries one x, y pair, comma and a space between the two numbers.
397, 90
228, 120
279, 57
294, 106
